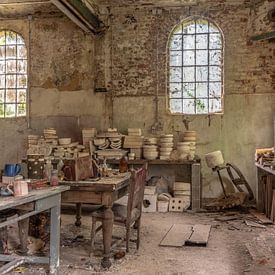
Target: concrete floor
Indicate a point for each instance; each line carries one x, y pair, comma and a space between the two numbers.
226, 252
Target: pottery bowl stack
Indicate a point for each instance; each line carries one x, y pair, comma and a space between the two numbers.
166, 146
32, 140
183, 149
134, 132
150, 148
191, 137
115, 143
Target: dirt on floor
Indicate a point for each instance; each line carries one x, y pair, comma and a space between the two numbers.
229, 248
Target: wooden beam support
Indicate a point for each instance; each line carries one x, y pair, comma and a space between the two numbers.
80, 14
264, 36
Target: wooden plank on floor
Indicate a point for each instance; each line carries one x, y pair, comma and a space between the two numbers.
254, 224
260, 216
177, 235
199, 236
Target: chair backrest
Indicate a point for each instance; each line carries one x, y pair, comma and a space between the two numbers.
136, 190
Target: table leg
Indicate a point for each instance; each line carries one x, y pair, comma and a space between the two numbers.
55, 238
23, 226
3, 238
107, 236
78, 214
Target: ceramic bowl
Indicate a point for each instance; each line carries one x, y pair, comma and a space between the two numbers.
64, 141
99, 141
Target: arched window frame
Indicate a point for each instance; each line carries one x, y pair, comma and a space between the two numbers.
13, 75
187, 22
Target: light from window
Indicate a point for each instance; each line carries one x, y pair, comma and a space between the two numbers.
13, 75
196, 68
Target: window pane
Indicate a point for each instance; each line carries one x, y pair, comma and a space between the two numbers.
175, 74
189, 28
201, 106
11, 96
214, 73
1, 110
22, 81
202, 26
188, 58
176, 58
2, 52
201, 41
10, 110
21, 109
202, 73
176, 105
215, 105
201, 90
2, 81
10, 66
11, 52
215, 41
188, 90
176, 42
213, 28
201, 57
11, 81
2, 96
22, 66
189, 42
20, 40
215, 57
215, 89
188, 74
188, 106
2, 38
21, 52
175, 90
2, 67
10, 38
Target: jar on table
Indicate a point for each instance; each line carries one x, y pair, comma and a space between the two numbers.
54, 178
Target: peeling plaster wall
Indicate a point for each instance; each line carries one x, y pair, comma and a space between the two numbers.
137, 72
62, 71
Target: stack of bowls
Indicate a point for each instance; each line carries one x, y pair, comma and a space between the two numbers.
183, 149
191, 137
166, 146
150, 148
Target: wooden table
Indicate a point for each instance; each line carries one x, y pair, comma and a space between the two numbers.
36, 201
180, 170
101, 192
261, 172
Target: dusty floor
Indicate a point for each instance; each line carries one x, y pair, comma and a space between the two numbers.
226, 252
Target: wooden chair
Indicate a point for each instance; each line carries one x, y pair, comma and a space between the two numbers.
129, 215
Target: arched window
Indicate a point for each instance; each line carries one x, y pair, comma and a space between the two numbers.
195, 81
13, 75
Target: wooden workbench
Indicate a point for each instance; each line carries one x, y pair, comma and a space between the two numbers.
262, 171
36, 201
181, 170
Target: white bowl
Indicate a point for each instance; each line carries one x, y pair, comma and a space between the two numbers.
65, 141
99, 141
166, 144
166, 140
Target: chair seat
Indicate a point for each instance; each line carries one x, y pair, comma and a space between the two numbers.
120, 213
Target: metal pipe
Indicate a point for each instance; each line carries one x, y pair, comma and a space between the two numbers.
29, 73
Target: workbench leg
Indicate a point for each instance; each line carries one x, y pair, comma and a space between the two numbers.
78, 214
23, 226
55, 238
3, 238
259, 190
196, 186
107, 225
